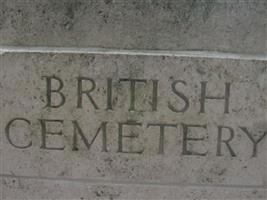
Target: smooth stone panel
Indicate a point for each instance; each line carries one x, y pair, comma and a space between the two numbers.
223, 130
218, 25
20, 188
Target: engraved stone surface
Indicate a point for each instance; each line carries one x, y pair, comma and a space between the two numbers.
215, 25
134, 120
101, 126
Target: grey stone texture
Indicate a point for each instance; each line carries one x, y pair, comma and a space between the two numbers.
24, 95
210, 25
44, 189
233, 169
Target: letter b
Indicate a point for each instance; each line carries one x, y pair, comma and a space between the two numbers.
50, 91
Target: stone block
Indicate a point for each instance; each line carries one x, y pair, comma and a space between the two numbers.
220, 25
134, 119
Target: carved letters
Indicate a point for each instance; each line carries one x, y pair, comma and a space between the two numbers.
56, 98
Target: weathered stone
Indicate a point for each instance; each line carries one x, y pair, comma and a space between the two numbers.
57, 122
216, 25
15, 188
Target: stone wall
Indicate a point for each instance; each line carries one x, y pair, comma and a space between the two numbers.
148, 99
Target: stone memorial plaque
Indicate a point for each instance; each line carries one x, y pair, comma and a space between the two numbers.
134, 119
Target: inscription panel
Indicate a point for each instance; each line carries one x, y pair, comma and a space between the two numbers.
134, 118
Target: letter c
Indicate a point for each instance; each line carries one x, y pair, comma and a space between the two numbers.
7, 131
